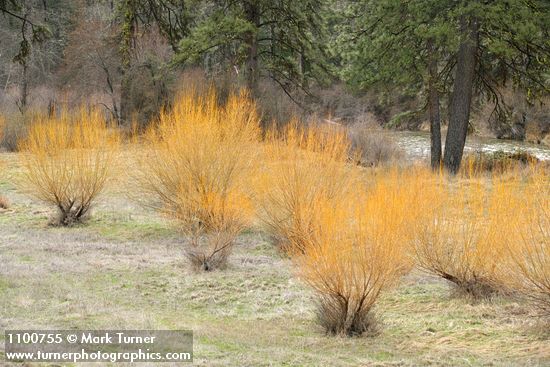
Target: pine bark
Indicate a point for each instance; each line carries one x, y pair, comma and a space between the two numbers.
461, 97
434, 110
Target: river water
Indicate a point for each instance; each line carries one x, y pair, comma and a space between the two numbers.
417, 145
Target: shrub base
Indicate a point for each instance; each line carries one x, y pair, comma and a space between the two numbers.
337, 317
68, 218
208, 254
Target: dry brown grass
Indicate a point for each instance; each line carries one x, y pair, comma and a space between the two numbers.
4, 204
67, 161
199, 160
2, 126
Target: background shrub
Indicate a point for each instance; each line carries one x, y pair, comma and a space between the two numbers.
301, 166
67, 161
196, 168
373, 147
497, 162
14, 129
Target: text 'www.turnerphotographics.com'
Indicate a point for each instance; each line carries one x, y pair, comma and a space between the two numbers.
99, 345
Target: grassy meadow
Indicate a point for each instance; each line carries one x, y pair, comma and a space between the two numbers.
359, 233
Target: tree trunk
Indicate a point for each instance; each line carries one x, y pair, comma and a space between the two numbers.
24, 88
125, 108
127, 34
111, 91
252, 13
459, 109
433, 105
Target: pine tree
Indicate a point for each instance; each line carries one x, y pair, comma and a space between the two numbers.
464, 48
281, 40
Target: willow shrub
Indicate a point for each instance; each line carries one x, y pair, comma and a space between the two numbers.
464, 239
301, 166
527, 269
347, 232
357, 249
67, 161
197, 163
